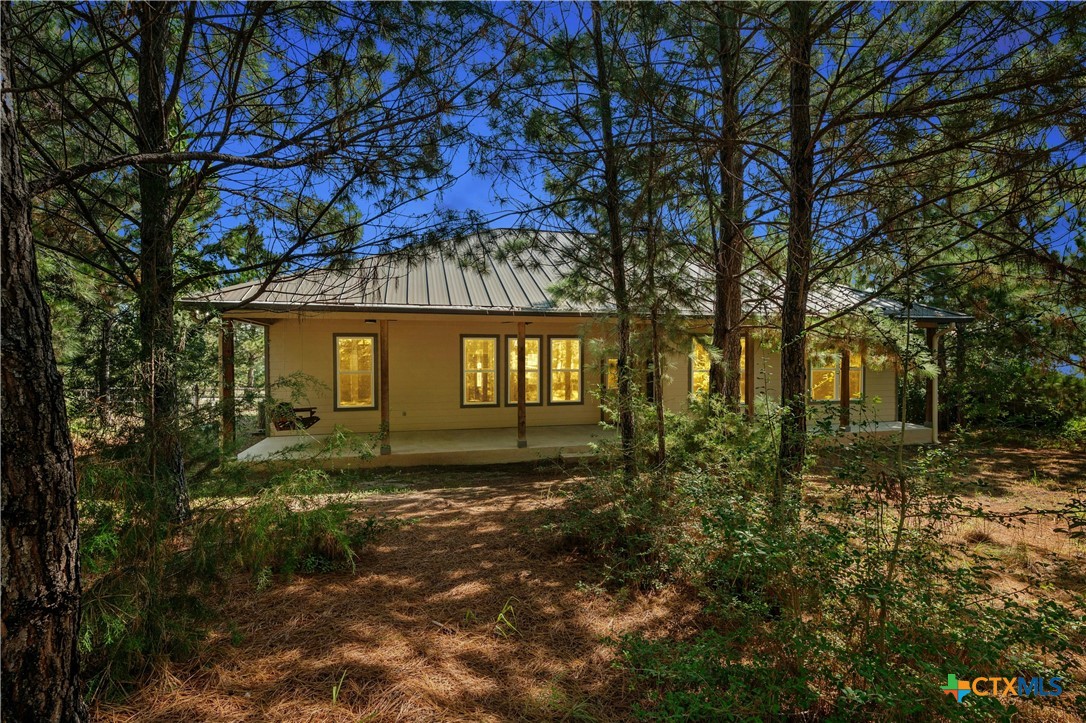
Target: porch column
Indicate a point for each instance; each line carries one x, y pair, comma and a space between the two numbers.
748, 381
265, 420
522, 407
936, 341
929, 393
226, 395
846, 387
382, 344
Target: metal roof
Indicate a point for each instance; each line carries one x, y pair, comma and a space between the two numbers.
501, 282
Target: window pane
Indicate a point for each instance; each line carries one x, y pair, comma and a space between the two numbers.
612, 373
855, 382
531, 370
480, 370
699, 373
480, 353
355, 353
699, 383
742, 370
565, 354
355, 371
565, 366
823, 384
701, 357
356, 389
479, 387
531, 387
565, 386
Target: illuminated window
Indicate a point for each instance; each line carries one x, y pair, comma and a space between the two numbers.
565, 360
826, 378
699, 370
355, 365
480, 365
532, 347
611, 381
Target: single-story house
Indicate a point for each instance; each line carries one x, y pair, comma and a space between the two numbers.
427, 351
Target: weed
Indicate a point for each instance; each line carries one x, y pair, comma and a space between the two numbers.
337, 688
506, 623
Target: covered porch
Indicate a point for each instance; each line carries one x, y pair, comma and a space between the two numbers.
888, 431
424, 448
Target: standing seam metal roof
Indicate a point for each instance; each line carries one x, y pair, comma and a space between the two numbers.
512, 284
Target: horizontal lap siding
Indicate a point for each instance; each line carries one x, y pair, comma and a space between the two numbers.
881, 392
880, 385
424, 373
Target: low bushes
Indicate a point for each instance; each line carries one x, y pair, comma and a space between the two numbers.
860, 611
147, 582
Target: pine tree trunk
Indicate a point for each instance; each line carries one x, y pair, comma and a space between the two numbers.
728, 261
156, 291
40, 580
793, 447
617, 249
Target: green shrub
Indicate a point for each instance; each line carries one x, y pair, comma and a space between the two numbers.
147, 582
1074, 430
859, 613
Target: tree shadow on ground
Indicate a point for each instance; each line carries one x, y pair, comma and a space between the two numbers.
457, 615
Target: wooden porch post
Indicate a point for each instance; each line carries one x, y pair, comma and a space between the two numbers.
846, 387
748, 382
226, 397
522, 407
265, 418
929, 393
936, 344
382, 343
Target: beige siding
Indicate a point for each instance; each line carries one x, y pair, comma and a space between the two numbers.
879, 391
424, 371
880, 394
425, 375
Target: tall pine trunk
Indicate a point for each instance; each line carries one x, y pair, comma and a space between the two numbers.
157, 293
793, 446
40, 581
617, 248
728, 259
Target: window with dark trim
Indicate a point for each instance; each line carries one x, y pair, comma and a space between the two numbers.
533, 357
355, 372
825, 378
610, 378
565, 354
700, 363
479, 371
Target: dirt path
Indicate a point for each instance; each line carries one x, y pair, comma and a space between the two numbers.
414, 635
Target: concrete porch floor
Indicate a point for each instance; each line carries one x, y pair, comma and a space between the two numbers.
441, 447
489, 446
914, 433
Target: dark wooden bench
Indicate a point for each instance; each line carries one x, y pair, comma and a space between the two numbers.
285, 418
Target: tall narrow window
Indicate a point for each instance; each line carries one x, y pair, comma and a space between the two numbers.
701, 362
480, 365
355, 365
699, 369
826, 378
565, 361
611, 380
743, 370
532, 348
